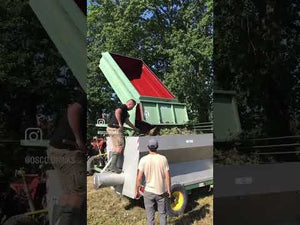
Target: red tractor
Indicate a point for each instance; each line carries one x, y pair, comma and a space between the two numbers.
24, 196
97, 156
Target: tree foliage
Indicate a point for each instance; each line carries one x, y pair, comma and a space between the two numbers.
174, 38
255, 54
34, 81
30, 68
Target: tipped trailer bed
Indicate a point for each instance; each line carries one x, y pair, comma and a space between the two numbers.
131, 78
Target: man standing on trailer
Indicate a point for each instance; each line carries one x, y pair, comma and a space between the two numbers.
67, 154
115, 131
158, 183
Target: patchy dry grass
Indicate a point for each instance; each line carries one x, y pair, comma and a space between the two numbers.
105, 207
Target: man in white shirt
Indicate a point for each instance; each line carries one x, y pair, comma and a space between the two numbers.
158, 183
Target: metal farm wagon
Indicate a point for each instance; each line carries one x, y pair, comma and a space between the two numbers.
189, 156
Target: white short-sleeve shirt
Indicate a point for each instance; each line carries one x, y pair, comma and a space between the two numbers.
154, 167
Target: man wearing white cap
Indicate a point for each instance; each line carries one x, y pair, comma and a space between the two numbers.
156, 169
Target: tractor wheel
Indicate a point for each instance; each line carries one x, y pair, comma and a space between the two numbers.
20, 220
90, 164
178, 202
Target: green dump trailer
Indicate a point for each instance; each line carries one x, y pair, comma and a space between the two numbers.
65, 24
227, 125
131, 78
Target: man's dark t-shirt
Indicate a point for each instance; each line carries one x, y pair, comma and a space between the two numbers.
113, 122
64, 132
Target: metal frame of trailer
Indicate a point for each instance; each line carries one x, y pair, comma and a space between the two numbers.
189, 156
261, 194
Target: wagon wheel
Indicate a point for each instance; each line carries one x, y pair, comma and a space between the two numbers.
178, 202
91, 162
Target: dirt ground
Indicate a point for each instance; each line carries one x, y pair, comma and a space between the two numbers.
105, 207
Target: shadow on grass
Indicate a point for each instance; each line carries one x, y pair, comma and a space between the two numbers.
195, 196
191, 213
134, 203
192, 216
